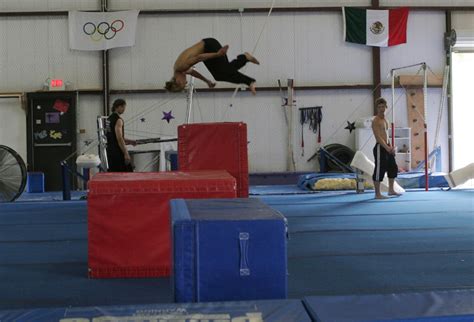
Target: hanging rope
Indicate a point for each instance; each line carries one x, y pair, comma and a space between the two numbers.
253, 52
441, 104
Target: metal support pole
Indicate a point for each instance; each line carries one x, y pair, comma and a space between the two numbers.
86, 172
102, 143
66, 181
393, 107
105, 71
425, 100
290, 157
360, 181
322, 161
190, 99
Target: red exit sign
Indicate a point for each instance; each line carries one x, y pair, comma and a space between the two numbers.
56, 85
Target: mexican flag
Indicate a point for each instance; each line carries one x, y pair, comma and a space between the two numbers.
379, 28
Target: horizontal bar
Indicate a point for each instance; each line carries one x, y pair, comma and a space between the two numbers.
142, 151
40, 145
11, 95
225, 89
231, 89
235, 10
262, 89
309, 108
408, 66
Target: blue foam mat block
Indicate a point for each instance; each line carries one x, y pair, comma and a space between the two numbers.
442, 306
271, 311
228, 249
35, 182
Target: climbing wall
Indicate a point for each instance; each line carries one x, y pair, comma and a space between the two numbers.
416, 112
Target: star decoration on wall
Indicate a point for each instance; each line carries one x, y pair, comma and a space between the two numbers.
167, 116
350, 126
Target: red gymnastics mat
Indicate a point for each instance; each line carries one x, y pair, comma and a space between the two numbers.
129, 218
216, 146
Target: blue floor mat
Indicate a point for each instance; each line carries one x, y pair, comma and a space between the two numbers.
370, 274
340, 243
49, 196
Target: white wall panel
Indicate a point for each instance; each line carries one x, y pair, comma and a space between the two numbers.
298, 46
463, 20
439, 3
303, 46
88, 108
13, 125
425, 43
36, 48
339, 107
264, 117
321, 53
48, 5
227, 4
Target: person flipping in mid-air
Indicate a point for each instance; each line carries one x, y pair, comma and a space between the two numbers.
214, 56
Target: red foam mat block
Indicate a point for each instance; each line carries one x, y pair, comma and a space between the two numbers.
216, 146
129, 218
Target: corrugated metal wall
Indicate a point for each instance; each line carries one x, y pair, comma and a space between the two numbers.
305, 46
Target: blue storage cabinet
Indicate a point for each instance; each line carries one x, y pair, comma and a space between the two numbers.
228, 250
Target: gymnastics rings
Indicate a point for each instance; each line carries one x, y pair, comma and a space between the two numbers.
103, 29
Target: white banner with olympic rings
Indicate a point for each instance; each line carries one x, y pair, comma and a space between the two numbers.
102, 30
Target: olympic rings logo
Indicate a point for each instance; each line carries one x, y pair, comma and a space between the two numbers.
103, 29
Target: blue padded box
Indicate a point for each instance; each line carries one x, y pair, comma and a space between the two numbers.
228, 250
35, 182
242, 311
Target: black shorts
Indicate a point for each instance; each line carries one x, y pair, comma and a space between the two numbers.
384, 163
211, 45
220, 67
116, 162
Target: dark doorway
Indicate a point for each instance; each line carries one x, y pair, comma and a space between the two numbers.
51, 126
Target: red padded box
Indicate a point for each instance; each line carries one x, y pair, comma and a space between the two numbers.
216, 146
129, 218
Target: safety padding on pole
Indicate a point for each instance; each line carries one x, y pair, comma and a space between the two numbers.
216, 146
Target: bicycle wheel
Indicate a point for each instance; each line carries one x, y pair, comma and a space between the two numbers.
12, 174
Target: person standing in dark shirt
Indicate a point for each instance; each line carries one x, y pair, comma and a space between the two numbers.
117, 153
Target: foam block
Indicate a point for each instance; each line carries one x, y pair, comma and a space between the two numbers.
35, 182
364, 164
460, 176
228, 250
128, 218
215, 146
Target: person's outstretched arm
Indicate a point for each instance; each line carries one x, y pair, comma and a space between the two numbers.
130, 142
198, 75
